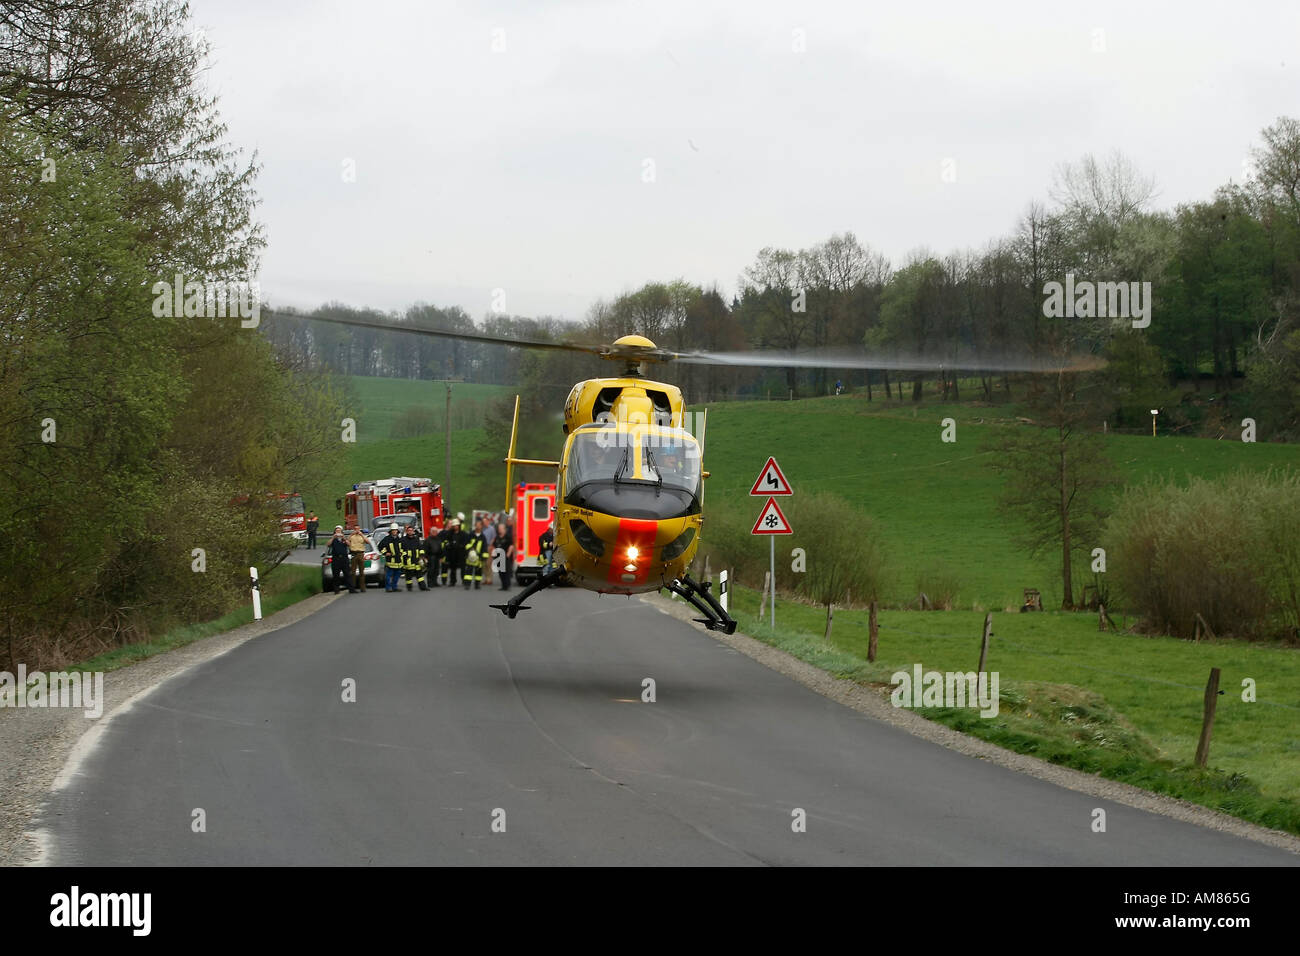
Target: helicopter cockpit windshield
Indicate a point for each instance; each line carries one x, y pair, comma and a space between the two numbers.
651, 473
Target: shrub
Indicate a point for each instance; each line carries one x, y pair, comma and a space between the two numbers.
416, 421
1228, 549
939, 583
843, 560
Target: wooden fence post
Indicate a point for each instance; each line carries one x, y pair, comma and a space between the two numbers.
1207, 722
873, 632
984, 642
830, 614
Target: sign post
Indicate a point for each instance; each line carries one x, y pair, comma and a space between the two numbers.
771, 521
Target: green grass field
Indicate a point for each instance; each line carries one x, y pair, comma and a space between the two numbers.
932, 503
1125, 706
377, 455
383, 400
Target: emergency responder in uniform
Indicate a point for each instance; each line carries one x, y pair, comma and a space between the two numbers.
445, 538
432, 547
475, 556
312, 524
357, 549
391, 549
489, 531
506, 549
411, 555
546, 546
453, 553
338, 551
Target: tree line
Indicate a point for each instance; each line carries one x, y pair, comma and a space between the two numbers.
143, 448
1219, 280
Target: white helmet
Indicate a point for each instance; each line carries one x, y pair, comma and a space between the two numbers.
393, 526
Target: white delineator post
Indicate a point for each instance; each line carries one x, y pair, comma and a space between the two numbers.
257, 596
723, 596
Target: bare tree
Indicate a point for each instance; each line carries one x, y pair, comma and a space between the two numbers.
1277, 166
1113, 190
1054, 474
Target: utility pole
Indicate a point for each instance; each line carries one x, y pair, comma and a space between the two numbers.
446, 483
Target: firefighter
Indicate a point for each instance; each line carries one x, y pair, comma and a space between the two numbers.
391, 549
453, 553
432, 547
338, 552
546, 546
411, 556
312, 524
357, 549
475, 557
445, 550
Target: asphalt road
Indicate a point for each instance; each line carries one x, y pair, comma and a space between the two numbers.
460, 714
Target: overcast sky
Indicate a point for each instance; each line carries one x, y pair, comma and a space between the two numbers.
523, 168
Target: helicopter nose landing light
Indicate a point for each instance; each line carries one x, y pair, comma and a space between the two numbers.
634, 540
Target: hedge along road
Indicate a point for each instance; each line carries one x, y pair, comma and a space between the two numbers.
463, 719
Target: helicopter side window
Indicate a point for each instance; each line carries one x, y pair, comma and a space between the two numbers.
596, 460
607, 474
671, 465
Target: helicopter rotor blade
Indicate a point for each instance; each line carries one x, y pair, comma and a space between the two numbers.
414, 329
766, 358
852, 359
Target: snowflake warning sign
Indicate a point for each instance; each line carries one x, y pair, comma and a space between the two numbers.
771, 520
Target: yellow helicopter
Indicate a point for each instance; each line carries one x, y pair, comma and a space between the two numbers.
630, 488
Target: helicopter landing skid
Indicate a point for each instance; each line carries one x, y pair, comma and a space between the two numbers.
541, 582
698, 596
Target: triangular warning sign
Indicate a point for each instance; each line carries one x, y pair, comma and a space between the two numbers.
771, 520
771, 481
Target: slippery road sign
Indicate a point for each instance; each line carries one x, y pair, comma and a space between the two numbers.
771, 481
771, 520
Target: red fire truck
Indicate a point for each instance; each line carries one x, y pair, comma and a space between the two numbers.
534, 511
288, 504
293, 520
374, 505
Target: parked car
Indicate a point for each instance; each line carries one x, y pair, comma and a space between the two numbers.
401, 520
374, 566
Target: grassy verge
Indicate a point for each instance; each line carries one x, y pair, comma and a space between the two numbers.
1124, 706
287, 584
